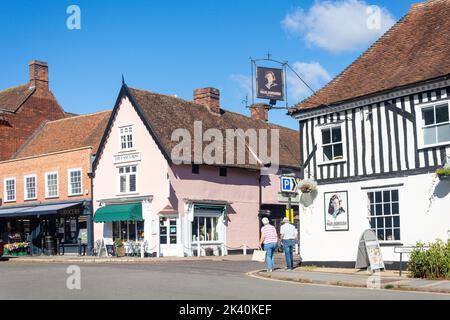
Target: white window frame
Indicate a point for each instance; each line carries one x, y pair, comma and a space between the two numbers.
318, 134
126, 140
25, 187
369, 216
46, 185
127, 182
220, 227
69, 182
419, 124
5, 193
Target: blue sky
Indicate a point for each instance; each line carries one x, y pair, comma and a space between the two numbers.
172, 47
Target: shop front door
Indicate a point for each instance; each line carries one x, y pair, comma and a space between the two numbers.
168, 236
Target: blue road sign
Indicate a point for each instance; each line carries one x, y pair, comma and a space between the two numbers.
288, 184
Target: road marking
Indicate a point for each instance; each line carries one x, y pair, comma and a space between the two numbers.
252, 274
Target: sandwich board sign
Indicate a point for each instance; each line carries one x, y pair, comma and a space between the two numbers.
107, 248
369, 252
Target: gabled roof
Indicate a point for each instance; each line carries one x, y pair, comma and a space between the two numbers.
66, 134
12, 98
163, 114
414, 50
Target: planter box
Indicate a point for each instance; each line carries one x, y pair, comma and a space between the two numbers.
442, 177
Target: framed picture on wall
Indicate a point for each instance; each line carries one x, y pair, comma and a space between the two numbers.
336, 211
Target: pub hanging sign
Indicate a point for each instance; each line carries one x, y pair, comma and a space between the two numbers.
269, 83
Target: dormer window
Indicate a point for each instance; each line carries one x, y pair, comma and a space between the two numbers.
126, 138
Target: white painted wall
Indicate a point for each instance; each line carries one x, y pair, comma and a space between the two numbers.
420, 219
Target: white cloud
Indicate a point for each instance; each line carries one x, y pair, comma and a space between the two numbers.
244, 85
312, 73
338, 26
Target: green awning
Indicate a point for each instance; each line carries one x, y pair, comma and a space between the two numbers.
213, 207
119, 212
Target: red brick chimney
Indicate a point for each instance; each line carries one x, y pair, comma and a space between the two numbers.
39, 74
260, 111
208, 97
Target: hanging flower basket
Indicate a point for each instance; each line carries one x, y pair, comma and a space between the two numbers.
307, 186
443, 174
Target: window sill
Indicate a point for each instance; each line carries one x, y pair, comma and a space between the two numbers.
425, 147
9, 201
126, 151
390, 243
75, 195
127, 194
52, 197
332, 162
31, 199
207, 242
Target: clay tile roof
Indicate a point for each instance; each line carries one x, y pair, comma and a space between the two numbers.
415, 49
11, 99
168, 113
66, 134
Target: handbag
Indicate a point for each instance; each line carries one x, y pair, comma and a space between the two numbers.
259, 255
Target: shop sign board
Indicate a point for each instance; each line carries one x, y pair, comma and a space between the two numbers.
129, 157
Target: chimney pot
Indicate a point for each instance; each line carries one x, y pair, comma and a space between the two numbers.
208, 97
260, 111
38, 74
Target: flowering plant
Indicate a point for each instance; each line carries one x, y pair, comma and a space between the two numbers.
16, 247
307, 186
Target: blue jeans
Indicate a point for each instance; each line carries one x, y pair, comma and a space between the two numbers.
288, 246
270, 254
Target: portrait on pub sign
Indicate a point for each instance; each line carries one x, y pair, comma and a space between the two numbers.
270, 83
336, 211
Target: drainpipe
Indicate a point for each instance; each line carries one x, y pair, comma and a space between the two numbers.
90, 217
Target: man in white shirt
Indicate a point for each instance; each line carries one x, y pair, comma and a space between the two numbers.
288, 235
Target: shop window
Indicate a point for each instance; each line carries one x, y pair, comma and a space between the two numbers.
126, 138
168, 230
128, 230
205, 229
384, 213
10, 189
51, 185
30, 187
127, 179
75, 182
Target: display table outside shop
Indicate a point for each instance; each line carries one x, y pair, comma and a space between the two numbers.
134, 248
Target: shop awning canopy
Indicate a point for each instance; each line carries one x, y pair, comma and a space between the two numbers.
38, 210
119, 212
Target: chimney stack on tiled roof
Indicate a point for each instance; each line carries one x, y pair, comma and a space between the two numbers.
38, 74
260, 111
208, 97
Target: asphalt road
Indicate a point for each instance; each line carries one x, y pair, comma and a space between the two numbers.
189, 280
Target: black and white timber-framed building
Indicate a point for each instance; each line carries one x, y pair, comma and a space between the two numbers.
374, 138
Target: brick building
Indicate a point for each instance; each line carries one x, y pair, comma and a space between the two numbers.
24, 108
46, 187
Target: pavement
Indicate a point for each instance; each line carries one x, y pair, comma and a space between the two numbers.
306, 275
358, 279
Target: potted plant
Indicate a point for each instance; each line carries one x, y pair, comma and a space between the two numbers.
307, 186
120, 248
443, 173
